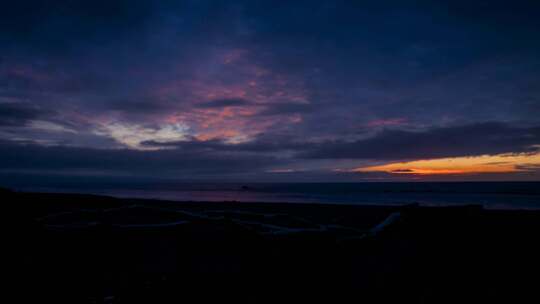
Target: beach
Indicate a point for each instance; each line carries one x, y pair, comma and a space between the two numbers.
74, 248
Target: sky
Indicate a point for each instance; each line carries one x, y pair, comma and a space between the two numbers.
295, 91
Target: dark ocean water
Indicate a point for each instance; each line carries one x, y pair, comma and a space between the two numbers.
497, 195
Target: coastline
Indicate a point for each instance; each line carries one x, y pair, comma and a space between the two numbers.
86, 248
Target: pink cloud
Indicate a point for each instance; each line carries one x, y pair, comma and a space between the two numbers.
231, 76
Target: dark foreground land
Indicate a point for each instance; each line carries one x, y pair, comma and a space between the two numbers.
91, 249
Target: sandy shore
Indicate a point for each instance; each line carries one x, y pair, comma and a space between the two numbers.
94, 249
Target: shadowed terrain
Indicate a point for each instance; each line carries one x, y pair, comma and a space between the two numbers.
93, 249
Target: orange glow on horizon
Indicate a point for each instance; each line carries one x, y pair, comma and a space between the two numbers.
502, 163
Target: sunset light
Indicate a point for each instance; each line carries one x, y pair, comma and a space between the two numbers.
503, 163
262, 150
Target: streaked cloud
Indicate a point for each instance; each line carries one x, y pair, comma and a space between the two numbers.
502, 163
133, 135
318, 89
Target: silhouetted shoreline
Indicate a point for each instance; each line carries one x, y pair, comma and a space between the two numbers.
491, 195
94, 249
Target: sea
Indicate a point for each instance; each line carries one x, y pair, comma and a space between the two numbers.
491, 195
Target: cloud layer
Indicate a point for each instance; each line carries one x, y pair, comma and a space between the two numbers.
303, 89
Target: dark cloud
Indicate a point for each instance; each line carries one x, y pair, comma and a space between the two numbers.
19, 114
264, 143
304, 81
467, 140
220, 103
34, 157
194, 158
65, 24
137, 105
288, 108
403, 171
